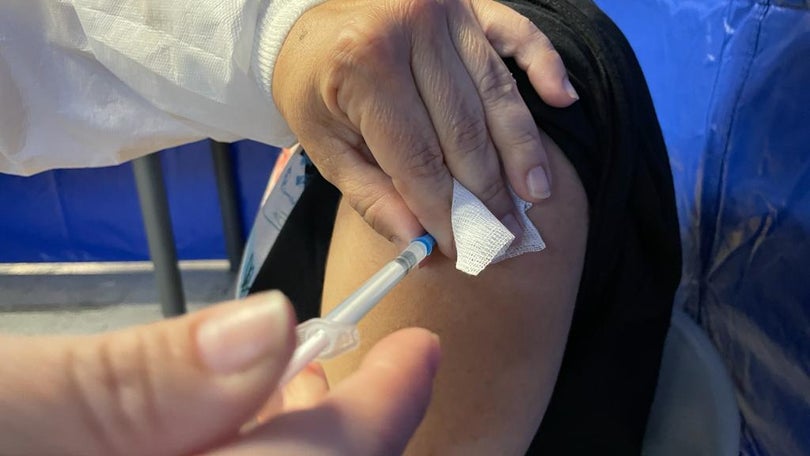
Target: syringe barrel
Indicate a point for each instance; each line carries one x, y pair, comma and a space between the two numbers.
336, 333
356, 306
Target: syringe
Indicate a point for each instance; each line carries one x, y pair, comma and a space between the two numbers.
323, 338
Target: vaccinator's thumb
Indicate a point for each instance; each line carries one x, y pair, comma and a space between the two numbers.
172, 387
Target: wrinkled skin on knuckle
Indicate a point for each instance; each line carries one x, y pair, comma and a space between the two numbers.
363, 55
89, 403
497, 84
327, 168
477, 47
492, 189
425, 163
470, 136
420, 13
527, 29
370, 205
526, 139
547, 53
116, 384
524, 27
327, 155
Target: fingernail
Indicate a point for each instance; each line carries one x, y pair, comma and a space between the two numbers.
235, 341
538, 183
511, 222
569, 88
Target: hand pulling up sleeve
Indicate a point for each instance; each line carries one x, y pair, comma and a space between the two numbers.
99, 82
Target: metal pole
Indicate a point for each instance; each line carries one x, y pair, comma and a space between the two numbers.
155, 210
228, 203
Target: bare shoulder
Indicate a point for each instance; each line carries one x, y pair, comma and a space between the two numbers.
502, 333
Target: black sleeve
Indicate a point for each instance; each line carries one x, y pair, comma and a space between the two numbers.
633, 258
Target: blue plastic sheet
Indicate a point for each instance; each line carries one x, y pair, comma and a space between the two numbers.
94, 215
731, 84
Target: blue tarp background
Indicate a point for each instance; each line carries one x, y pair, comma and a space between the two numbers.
93, 214
730, 82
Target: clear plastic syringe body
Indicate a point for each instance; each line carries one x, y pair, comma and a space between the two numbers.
336, 332
356, 306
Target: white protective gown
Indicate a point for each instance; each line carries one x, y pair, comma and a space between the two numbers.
99, 82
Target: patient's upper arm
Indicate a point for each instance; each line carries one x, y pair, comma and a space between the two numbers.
502, 333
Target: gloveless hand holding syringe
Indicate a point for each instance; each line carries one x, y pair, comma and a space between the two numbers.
336, 333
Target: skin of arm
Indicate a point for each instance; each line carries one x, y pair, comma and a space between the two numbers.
503, 333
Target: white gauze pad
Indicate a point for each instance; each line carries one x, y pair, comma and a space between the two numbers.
481, 239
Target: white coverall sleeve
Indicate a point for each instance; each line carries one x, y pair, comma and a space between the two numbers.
99, 82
